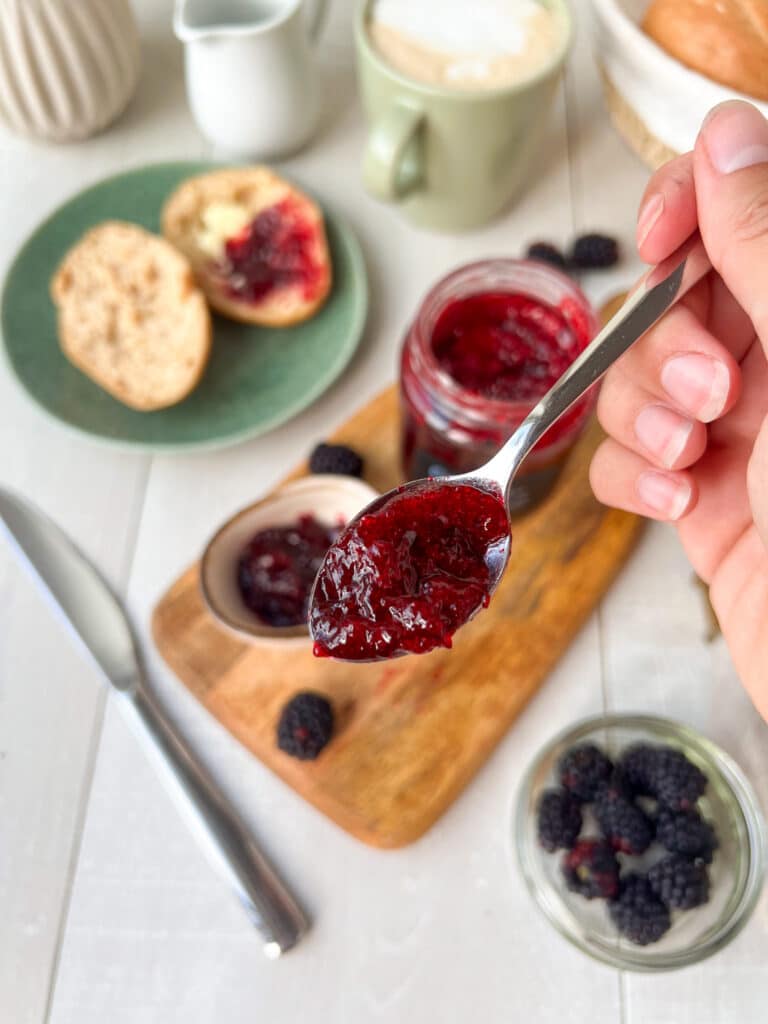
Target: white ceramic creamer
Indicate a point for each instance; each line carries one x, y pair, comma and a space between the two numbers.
250, 71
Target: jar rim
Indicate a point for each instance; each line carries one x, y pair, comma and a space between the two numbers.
532, 272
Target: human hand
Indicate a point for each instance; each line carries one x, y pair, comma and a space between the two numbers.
686, 409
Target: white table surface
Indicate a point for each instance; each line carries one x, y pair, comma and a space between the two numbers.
107, 911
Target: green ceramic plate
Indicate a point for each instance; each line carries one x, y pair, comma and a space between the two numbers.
257, 377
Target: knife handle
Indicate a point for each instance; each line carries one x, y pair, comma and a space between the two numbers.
267, 902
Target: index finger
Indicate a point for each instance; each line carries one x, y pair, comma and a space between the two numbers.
668, 210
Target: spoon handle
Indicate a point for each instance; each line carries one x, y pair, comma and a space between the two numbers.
656, 292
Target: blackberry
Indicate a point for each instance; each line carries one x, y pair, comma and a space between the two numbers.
678, 783
336, 458
686, 833
591, 869
305, 726
582, 769
545, 252
615, 787
679, 882
638, 913
622, 823
594, 252
665, 773
559, 820
638, 764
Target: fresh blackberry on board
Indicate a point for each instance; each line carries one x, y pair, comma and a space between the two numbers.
638, 913
305, 726
559, 820
594, 252
591, 869
621, 821
680, 883
545, 252
582, 769
686, 833
665, 773
336, 458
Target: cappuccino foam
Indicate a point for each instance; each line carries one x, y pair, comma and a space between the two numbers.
480, 44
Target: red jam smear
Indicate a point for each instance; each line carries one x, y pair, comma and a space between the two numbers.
505, 346
278, 249
403, 579
277, 569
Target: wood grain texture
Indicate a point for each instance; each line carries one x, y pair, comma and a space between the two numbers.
411, 733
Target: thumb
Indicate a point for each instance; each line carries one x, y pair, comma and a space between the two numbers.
731, 176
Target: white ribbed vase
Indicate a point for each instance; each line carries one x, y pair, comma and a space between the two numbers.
67, 67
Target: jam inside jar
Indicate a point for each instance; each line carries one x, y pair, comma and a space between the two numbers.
487, 343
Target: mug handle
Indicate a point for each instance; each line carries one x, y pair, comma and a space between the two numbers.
393, 166
317, 19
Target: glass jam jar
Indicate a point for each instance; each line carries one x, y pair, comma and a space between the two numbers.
487, 343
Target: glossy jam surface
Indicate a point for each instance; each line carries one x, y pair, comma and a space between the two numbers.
276, 250
403, 579
474, 365
504, 345
276, 570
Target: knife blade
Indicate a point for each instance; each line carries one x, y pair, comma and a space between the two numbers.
79, 595
97, 621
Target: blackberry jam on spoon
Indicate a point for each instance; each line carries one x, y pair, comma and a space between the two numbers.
423, 559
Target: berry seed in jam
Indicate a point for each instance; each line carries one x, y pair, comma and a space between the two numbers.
276, 570
276, 250
404, 578
503, 345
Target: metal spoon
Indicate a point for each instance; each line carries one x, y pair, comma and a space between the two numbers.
656, 292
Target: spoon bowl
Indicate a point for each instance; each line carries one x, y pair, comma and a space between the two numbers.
418, 564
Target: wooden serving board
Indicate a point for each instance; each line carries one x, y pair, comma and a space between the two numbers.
410, 733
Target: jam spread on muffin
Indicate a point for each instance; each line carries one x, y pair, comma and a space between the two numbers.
275, 250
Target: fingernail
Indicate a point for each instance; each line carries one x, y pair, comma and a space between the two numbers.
736, 136
699, 384
651, 210
663, 433
667, 496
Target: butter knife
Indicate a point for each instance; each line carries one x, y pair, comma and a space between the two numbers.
97, 620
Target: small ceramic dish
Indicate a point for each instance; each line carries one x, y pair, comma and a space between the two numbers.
332, 500
736, 873
656, 102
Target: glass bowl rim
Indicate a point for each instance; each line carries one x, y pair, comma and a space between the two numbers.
748, 805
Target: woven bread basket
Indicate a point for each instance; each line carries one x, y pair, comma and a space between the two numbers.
656, 103
652, 151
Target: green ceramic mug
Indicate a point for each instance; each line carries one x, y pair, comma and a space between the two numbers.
452, 158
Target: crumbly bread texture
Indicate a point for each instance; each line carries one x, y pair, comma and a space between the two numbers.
725, 40
131, 317
206, 210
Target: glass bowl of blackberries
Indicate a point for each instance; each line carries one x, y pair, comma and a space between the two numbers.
641, 841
